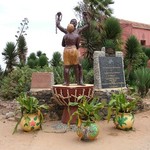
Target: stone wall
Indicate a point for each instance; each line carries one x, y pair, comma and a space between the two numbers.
55, 112
46, 97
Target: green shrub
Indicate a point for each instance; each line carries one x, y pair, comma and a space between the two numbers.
32, 63
146, 51
87, 64
17, 81
142, 78
43, 69
88, 76
39, 59
58, 74
135, 58
43, 61
56, 60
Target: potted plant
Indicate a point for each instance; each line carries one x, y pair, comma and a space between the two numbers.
122, 107
87, 114
31, 113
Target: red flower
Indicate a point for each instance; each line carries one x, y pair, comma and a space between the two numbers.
32, 123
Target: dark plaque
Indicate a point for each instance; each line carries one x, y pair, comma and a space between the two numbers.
111, 72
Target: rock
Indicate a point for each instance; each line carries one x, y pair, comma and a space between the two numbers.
4, 111
11, 119
9, 115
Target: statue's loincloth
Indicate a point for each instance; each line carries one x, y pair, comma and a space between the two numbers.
71, 55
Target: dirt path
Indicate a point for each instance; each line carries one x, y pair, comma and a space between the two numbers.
108, 139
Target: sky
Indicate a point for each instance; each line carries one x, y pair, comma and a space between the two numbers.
41, 34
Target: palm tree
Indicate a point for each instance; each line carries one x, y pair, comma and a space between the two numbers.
112, 33
22, 50
132, 49
134, 57
10, 56
98, 11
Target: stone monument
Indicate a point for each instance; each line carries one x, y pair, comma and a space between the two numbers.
108, 73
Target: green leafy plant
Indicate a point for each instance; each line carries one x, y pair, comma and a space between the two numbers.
121, 103
37, 60
17, 81
109, 44
134, 58
88, 111
146, 51
142, 78
88, 76
29, 105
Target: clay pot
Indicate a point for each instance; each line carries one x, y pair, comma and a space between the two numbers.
124, 121
30, 122
87, 133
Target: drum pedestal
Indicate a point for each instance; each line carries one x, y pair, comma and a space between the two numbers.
65, 94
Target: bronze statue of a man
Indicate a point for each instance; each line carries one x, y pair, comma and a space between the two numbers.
76, 31
71, 42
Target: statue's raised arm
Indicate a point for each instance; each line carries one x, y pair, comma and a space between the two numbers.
58, 20
86, 23
72, 21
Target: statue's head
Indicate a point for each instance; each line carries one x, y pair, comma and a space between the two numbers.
74, 22
70, 28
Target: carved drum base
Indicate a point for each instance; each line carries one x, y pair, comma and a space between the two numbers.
65, 94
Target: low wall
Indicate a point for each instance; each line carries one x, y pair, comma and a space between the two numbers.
46, 97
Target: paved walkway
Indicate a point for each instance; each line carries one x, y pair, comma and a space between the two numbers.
108, 139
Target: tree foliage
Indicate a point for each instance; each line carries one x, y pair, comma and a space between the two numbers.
22, 50
111, 35
10, 56
16, 82
134, 57
38, 59
142, 80
56, 59
97, 12
43, 60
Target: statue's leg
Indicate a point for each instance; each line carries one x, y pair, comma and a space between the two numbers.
80, 74
76, 69
66, 75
